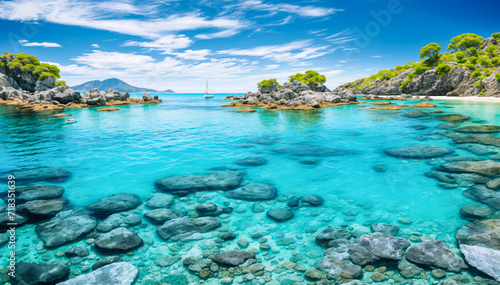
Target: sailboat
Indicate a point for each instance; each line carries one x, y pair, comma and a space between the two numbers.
207, 94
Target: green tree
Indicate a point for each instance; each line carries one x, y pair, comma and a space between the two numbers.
60, 83
492, 50
496, 36
432, 51
442, 69
460, 56
497, 76
268, 83
465, 41
308, 76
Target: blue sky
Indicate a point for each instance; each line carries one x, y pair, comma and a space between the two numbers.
234, 44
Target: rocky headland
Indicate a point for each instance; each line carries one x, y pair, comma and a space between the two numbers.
35, 88
470, 68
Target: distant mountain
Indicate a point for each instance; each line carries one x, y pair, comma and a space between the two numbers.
116, 84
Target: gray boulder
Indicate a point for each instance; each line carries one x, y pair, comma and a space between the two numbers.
183, 185
42, 174
6, 218
118, 240
159, 200
40, 273
176, 229
338, 268
484, 195
42, 209
119, 220
483, 259
146, 97
474, 212
79, 251
385, 228
485, 139
254, 192
59, 231
93, 97
38, 192
121, 273
328, 235
485, 167
233, 258
61, 94
418, 151
115, 203
279, 214
484, 233
160, 216
384, 246
435, 253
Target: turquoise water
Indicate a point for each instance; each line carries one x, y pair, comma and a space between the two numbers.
128, 150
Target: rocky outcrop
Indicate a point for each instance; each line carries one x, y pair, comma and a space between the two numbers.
183, 185
40, 273
484, 259
115, 203
435, 253
121, 273
295, 96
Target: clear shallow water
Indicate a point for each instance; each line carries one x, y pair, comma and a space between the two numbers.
128, 150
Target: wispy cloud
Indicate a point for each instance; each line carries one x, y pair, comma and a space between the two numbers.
377, 56
289, 52
26, 43
304, 11
194, 54
166, 43
341, 37
271, 66
95, 45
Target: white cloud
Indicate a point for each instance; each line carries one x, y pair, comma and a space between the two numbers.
377, 56
26, 43
109, 60
194, 54
271, 66
95, 45
290, 52
166, 43
103, 16
304, 11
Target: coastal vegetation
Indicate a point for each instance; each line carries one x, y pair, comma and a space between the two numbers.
469, 54
306, 77
268, 83
29, 63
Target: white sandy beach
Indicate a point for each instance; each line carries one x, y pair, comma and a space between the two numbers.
470, 98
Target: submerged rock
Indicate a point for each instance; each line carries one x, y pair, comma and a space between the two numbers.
407, 269
159, 200
416, 114
477, 149
486, 167
384, 246
252, 161
59, 231
42, 209
40, 273
38, 192
254, 192
211, 209
280, 214
119, 220
183, 185
105, 261
233, 258
332, 263
483, 259
115, 203
160, 216
453, 118
435, 253
48, 174
79, 251
176, 229
484, 233
418, 151
479, 129
121, 273
473, 212
385, 229
328, 235
118, 240
6, 218
482, 139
